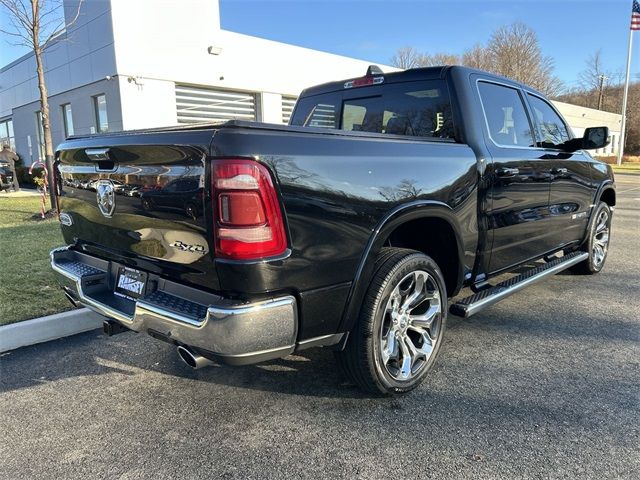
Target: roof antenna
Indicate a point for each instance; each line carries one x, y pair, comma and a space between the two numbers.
374, 70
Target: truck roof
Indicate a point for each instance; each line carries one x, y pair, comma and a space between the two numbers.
414, 74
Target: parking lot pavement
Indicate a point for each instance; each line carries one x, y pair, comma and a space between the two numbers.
545, 384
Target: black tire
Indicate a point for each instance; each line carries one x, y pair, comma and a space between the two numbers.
596, 260
362, 361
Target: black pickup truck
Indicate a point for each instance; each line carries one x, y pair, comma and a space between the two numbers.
352, 227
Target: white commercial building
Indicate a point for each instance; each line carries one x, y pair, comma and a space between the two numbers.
147, 63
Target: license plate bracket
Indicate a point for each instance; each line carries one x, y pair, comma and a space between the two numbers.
130, 282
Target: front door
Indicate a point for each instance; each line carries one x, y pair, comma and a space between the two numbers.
571, 188
518, 205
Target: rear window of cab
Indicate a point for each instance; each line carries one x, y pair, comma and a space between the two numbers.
414, 109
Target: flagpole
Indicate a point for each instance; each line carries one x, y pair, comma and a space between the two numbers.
624, 99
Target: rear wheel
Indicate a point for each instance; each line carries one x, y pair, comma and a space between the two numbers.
401, 325
597, 245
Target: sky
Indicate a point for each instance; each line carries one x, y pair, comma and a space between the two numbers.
568, 30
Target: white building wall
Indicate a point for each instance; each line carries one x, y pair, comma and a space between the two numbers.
271, 107
146, 102
169, 41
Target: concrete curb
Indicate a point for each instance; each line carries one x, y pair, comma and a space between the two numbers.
38, 330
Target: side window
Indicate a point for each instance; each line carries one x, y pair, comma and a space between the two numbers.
506, 115
553, 130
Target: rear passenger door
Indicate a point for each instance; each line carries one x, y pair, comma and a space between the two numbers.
571, 190
518, 198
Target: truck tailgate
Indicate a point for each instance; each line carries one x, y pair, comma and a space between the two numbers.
141, 200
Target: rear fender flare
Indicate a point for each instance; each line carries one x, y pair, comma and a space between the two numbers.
393, 219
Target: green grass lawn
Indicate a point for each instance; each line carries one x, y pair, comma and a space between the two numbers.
28, 288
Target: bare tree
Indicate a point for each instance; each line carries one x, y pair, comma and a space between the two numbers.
406, 57
477, 57
515, 53
437, 59
590, 78
36, 24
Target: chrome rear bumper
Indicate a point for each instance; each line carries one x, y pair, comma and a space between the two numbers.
233, 332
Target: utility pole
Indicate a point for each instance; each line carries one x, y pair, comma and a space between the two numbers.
601, 89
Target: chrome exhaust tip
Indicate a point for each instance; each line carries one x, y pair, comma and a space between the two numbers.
192, 359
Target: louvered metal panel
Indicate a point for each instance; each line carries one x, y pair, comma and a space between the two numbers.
287, 108
202, 104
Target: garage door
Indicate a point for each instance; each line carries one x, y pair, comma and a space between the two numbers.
201, 104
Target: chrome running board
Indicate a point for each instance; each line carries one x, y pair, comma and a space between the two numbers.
485, 298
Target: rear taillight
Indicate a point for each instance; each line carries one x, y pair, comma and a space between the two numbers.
248, 221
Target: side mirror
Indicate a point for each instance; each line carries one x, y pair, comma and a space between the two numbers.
595, 137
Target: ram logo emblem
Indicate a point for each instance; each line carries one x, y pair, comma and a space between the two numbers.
106, 197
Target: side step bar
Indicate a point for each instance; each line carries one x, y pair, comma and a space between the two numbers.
485, 298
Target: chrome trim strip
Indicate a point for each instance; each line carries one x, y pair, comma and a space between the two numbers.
319, 339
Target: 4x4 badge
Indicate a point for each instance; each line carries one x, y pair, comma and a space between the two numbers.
106, 197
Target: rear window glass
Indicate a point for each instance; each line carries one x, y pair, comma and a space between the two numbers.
415, 109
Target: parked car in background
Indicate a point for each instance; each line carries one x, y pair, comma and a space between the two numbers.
6, 177
183, 194
118, 186
130, 189
351, 228
85, 183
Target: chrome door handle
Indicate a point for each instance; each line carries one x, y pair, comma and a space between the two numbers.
507, 172
559, 171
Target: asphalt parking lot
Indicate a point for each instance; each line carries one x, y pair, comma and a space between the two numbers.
545, 384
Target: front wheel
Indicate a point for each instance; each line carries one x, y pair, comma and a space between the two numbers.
401, 324
597, 244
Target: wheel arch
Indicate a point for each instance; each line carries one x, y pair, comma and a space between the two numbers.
424, 213
607, 194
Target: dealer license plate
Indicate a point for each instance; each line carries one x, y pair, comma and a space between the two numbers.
130, 282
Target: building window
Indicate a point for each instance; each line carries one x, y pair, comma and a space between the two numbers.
100, 108
40, 136
67, 120
6, 134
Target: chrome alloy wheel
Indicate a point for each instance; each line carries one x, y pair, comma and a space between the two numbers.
410, 326
600, 242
